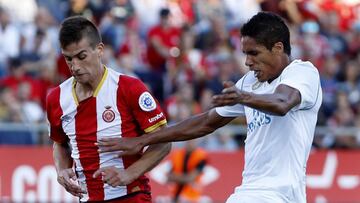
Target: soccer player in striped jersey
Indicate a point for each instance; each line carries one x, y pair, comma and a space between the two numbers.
97, 102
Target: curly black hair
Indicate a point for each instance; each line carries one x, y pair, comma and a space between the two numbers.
267, 28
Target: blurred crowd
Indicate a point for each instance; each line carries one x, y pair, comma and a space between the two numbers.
183, 50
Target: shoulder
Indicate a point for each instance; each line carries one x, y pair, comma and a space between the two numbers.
300, 71
53, 95
67, 83
123, 80
301, 67
55, 92
133, 89
129, 82
247, 80
128, 78
154, 30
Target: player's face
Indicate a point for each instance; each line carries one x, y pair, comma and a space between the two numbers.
84, 61
264, 62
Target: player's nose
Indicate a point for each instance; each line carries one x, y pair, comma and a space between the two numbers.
249, 62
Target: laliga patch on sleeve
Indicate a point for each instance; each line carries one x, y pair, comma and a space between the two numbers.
147, 102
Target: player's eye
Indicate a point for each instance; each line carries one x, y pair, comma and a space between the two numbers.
253, 53
81, 56
68, 58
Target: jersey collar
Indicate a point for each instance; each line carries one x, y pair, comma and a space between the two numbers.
96, 92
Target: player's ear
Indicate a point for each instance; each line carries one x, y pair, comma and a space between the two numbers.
278, 47
100, 49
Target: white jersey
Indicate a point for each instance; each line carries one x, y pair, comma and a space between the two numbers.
277, 147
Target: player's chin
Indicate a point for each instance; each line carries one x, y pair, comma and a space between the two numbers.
262, 79
81, 79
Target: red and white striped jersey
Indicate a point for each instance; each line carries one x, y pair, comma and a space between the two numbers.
121, 106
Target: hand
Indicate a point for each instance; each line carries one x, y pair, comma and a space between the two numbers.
67, 179
230, 95
115, 176
127, 146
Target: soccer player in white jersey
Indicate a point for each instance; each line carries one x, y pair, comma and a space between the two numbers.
280, 99
97, 102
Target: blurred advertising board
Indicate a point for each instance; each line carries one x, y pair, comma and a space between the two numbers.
27, 174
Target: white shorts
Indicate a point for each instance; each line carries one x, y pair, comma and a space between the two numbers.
255, 197
267, 196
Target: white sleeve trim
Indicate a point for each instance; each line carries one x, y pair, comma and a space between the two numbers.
231, 111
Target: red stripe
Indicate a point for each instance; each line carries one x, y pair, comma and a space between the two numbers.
54, 113
86, 136
129, 128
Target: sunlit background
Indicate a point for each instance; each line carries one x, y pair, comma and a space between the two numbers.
202, 49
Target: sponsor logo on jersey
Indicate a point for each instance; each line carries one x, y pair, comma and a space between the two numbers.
65, 118
147, 102
108, 115
157, 117
258, 119
256, 85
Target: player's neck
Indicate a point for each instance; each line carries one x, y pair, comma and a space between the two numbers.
94, 81
83, 91
86, 90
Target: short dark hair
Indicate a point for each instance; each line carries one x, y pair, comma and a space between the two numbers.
164, 12
15, 62
75, 28
267, 28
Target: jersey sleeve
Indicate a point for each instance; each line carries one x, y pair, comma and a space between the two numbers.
54, 112
304, 77
234, 110
231, 111
146, 109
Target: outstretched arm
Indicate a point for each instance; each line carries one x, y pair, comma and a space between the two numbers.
278, 103
191, 128
151, 157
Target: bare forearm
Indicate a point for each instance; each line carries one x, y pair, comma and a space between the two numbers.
275, 104
62, 156
151, 157
194, 127
278, 103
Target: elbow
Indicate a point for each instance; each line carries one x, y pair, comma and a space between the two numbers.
281, 111
206, 126
285, 104
206, 130
167, 148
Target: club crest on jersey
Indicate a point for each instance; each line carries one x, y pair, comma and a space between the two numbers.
256, 85
108, 115
147, 102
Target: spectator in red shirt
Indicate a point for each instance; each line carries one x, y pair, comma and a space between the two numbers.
18, 76
163, 41
190, 65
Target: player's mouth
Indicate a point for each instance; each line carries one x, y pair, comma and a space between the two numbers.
257, 73
79, 74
